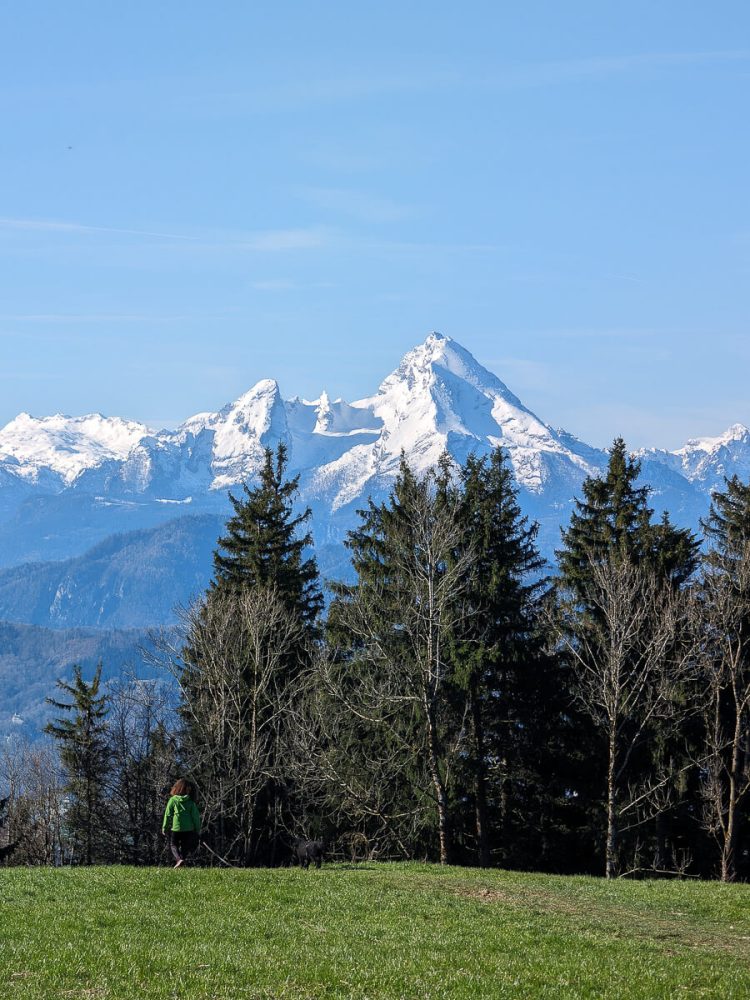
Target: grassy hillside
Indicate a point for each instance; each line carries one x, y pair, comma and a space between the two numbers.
385, 931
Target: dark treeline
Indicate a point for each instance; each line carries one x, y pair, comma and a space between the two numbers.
457, 702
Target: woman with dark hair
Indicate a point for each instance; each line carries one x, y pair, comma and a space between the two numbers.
182, 821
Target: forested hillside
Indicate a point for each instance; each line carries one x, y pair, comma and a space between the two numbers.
32, 659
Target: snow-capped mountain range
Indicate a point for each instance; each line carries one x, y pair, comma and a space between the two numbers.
439, 397
67, 483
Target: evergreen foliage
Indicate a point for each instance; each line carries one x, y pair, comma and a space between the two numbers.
497, 656
614, 518
264, 546
457, 706
245, 646
727, 527
613, 524
396, 627
82, 738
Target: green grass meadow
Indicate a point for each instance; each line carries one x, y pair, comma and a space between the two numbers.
366, 931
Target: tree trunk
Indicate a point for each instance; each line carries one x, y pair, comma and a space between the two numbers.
661, 861
443, 831
438, 785
728, 870
480, 780
611, 844
727, 858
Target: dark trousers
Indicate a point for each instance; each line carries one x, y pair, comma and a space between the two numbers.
182, 843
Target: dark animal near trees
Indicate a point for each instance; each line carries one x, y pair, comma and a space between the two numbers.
306, 851
5, 852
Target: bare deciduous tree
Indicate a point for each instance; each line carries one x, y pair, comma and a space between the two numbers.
404, 686
142, 755
31, 775
630, 649
354, 761
228, 660
725, 671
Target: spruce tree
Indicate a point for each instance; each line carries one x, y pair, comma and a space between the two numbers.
497, 653
264, 545
613, 524
241, 663
614, 519
82, 739
395, 627
727, 526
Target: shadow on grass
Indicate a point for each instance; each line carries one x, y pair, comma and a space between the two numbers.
352, 866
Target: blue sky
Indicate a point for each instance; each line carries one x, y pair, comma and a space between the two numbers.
193, 197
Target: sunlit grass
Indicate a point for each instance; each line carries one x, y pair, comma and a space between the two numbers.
391, 931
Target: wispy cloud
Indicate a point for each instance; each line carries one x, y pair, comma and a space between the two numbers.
286, 239
266, 240
361, 205
287, 285
51, 226
415, 247
281, 96
18, 374
60, 317
586, 333
562, 71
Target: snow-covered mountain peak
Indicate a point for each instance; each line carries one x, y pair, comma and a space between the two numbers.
66, 446
253, 403
251, 412
709, 460
440, 397
436, 355
241, 432
737, 432
419, 368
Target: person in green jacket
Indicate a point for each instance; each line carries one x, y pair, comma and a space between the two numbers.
182, 821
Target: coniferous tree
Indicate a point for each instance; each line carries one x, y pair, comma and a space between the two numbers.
614, 518
727, 527
613, 524
264, 545
239, 663
395, 628
82, 739
497, 653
